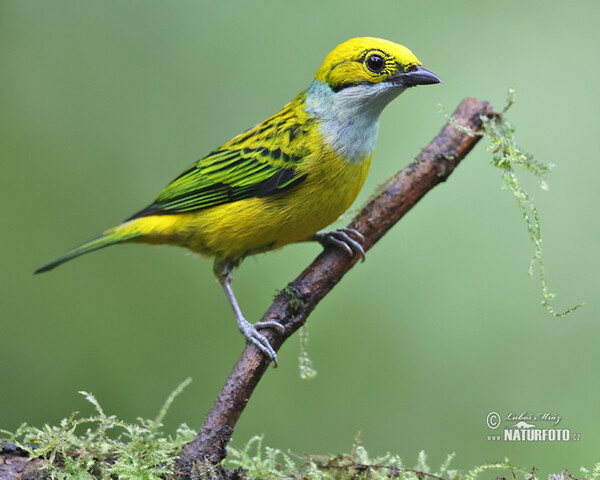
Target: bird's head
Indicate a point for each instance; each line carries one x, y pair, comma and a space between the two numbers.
353, 86
367, 61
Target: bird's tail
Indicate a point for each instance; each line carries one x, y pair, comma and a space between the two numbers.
110, 237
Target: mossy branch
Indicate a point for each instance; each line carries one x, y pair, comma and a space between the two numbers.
293, 304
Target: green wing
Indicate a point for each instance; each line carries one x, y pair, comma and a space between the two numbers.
227, 175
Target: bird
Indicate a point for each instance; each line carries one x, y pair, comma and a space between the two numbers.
282, 181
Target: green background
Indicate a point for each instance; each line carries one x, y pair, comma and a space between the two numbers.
103, 102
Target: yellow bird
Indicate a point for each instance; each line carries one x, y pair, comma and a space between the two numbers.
283, 180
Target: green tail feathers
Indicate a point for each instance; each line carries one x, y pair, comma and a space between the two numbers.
106, 239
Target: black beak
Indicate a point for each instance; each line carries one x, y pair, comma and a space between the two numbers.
418, 76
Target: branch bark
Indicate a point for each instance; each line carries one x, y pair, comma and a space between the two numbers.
15, 464
293, 304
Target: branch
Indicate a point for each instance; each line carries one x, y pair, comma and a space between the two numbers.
16, 464
293, 304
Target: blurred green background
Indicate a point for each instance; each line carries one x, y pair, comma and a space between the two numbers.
103, 102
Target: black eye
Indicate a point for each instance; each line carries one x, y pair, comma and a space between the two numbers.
375, 63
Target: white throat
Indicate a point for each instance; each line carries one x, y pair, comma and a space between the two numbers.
350, 117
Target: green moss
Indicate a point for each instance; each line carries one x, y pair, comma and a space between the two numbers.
110, 449
267, 463
103, 447
508, 157
295, 304
305, 365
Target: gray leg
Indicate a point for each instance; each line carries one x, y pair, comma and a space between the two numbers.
224, 273
341, 238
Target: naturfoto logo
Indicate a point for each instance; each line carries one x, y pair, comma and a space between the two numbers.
529, 427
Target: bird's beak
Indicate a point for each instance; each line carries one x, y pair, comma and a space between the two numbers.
419, 76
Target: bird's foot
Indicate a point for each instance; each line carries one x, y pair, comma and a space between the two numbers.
341, 238
250, 331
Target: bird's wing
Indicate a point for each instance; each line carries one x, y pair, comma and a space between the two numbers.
227, 175
264, 161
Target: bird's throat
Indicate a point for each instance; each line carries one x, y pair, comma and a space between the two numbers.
349, 119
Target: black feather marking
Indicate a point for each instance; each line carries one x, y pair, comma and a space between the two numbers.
342, 86
280, 182
149, 211
263, 129
226, 165
184, 173
293, 132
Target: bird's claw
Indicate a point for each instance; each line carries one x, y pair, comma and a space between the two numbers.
270, 324
341, 238
257, 339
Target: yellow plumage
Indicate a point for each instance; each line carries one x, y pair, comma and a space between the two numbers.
286, 178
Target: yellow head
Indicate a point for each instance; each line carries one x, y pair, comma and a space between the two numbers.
352, 87
367, 60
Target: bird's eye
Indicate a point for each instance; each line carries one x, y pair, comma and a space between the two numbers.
375, 63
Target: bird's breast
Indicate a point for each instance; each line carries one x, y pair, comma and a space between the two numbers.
331, 186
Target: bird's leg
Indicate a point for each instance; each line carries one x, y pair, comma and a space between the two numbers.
224, 273
341, 238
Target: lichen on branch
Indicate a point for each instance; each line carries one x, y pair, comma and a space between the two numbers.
507, 156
